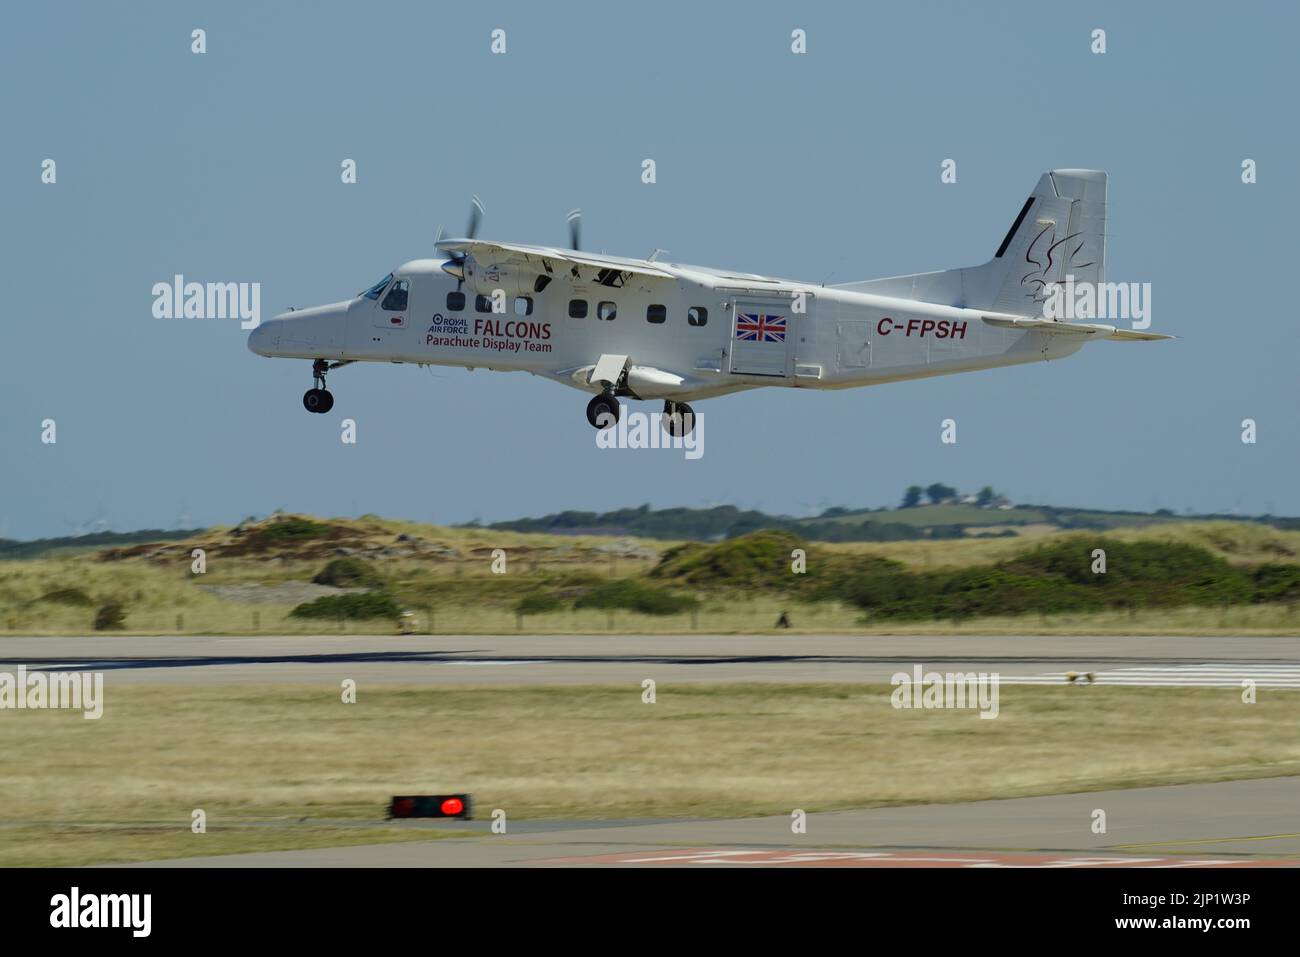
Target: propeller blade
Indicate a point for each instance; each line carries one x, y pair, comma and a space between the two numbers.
575, 228
476, 214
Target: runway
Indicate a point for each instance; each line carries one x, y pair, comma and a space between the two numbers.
1236, 824
1272, 662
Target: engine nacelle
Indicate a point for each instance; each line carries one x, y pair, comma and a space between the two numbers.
514, 279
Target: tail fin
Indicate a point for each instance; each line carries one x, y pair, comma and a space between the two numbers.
1059, 231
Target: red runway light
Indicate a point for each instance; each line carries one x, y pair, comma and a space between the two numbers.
432, 805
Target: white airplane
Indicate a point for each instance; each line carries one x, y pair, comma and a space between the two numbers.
647, 329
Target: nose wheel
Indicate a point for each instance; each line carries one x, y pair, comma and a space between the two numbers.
319, 399
678, 418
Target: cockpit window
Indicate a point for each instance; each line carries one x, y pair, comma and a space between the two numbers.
395, 301
374, 291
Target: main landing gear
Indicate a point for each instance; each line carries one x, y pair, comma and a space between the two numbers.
678, 418
319, 399
604, 410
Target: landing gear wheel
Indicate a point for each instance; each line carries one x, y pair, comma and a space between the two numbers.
318, 400
678, 418
604, 411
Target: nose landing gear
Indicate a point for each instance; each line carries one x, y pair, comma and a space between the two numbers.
319, 399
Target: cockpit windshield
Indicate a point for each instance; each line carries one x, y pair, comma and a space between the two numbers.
375, 291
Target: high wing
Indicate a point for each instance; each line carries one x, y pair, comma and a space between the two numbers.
555, 259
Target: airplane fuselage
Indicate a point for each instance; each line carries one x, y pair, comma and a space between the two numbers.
613, 326
706, 332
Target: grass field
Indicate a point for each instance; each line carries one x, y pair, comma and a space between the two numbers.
284, 767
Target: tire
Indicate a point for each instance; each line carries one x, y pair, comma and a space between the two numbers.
604, 411
679, 421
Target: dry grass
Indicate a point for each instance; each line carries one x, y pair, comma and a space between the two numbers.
1237, 542
186, 611
75, 845
162, 597
124, 786
173, 604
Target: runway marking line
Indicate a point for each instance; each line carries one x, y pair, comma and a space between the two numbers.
1210, 840
1202, 675
821, 858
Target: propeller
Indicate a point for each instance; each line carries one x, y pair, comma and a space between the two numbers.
575, 228
476, 213
455, 266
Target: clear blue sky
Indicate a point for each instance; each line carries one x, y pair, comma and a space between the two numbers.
225, 167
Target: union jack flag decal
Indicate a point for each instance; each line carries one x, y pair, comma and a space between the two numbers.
759, 327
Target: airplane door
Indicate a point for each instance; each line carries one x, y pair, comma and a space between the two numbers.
854, 344
762, 337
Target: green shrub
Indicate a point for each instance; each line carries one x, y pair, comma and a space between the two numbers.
348, 573
1140, 573
293, 527
110, 616
757, 560
68, 596
371, 604
1057, 578
633, 595
537, 603
869, 583
1276, 582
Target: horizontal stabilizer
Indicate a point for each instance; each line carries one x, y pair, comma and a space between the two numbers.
1133, 335
1055, 327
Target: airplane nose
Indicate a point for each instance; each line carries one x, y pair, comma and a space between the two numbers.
259, 339
315, 333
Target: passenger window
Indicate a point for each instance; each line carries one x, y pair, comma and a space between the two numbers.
523, 306
455, 301
482, 304
577, 309
395, 300
656, 313
697, 315
606, 310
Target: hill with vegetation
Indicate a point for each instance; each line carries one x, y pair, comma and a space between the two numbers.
946, 514
291, 574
